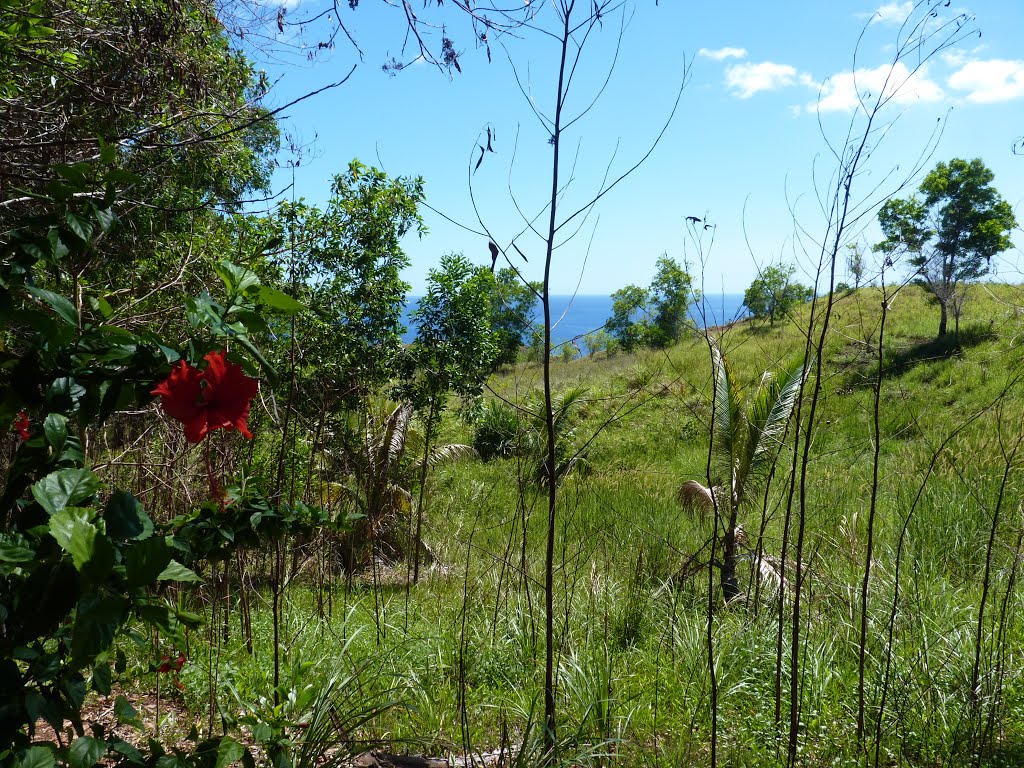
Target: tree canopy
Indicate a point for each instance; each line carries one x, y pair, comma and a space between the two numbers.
950, 231
654, 316
773, 293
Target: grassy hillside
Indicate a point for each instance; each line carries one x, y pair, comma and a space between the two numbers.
463, 649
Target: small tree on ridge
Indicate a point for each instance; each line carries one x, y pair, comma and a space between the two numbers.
951, 234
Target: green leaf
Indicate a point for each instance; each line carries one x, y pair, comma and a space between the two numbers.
58, 249
96, 623
15, 548
75, 534
126, 713
100, 305
37, 757
124, 748
65, 487
86, 752
65, 394
228, 751
55, 427
265, 365
101, 563
146, 561
175, 571
60, 304
126, 519
105, 217
101, 678
236, 279
80, 226
271, 297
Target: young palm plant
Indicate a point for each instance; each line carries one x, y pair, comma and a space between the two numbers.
747, 433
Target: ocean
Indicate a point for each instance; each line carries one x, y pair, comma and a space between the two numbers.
577, 315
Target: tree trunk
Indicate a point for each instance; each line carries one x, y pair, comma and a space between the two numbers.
730, 585
942, 318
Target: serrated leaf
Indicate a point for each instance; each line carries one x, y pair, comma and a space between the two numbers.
65, 394
15, 548
65, 487
75, 534
129, 751
80, 226
175, 571
100, 305
86, 752
58, 248
59, 304
228, 751
37, 757
105, 217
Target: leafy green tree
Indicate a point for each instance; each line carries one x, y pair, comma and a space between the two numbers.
629, 321
512, 310
668, 298
950, 231
345, 263
748, 432
453, 350
773, 294
654, 316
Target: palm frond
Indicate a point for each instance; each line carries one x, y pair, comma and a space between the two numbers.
729, 422
696, 498
451, 452
769, 415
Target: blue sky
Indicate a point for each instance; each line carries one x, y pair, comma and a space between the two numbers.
765, 92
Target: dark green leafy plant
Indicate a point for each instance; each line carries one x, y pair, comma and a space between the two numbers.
78, 561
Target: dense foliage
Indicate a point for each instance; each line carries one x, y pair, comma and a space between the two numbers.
654, 316
773, 294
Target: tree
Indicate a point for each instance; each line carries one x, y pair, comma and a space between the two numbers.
453, 350
951, 232
346, 263
668, 297
748, 432
628, 323
773, 294
653, 316
512, 305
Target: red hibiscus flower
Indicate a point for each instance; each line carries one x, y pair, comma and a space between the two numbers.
21, 425
171, 665
215, 398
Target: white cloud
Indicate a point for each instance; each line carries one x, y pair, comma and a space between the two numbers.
719, 54
843, 92
744, 80
990, 81
893, 13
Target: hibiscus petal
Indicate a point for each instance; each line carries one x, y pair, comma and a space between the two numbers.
180, 392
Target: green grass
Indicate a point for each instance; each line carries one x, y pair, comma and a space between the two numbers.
463, 652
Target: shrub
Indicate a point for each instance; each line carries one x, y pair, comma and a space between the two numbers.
497, 431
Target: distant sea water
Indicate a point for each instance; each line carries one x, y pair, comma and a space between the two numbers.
575, 316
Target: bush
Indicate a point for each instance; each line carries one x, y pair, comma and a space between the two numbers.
497, 431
